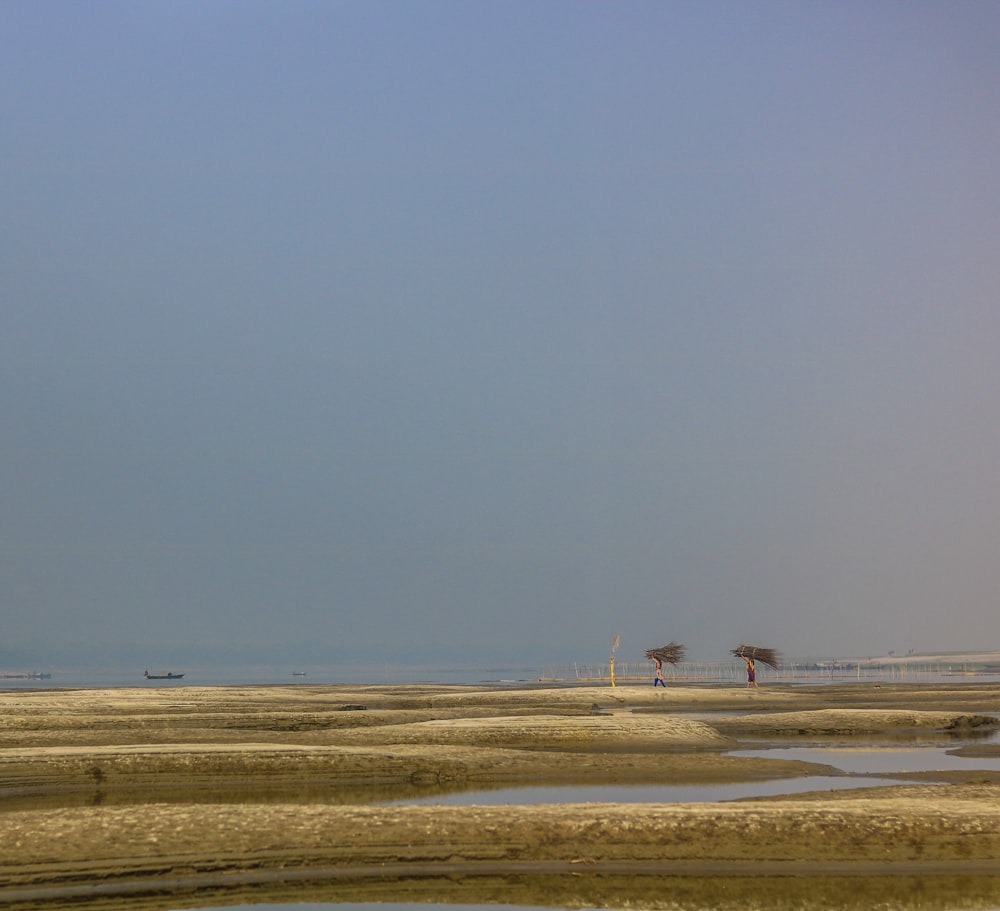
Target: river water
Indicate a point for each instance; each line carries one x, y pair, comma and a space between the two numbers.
707, 673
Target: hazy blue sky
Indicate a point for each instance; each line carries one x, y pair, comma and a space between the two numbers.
490, 330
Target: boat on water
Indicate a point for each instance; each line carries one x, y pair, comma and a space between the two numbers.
166, 676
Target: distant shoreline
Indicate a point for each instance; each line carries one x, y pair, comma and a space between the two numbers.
966, 665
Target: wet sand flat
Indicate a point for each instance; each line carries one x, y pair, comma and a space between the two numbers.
130, 795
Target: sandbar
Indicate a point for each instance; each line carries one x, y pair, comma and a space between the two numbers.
171, 797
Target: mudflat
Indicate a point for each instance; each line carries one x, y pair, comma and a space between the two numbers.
165, 796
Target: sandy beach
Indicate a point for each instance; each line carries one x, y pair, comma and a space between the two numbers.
170, 797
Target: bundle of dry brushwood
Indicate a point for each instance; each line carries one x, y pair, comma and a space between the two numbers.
766, 656
673, 653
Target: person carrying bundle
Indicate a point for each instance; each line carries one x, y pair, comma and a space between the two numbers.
751, 654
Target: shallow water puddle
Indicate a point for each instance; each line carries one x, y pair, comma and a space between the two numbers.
880, 760
699, 793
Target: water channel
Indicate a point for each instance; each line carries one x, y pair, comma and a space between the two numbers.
864, 766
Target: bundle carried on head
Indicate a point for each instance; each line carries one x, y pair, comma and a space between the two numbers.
673, 653
766, 656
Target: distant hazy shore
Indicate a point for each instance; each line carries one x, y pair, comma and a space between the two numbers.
910, 667
177, 797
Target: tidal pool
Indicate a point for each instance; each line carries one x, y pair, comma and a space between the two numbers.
659, 793
871, 760
855, 762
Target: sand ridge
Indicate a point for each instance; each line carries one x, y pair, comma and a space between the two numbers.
184, 788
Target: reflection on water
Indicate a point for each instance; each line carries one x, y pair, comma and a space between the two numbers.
399, 795
881, 761
697, 793
862, 760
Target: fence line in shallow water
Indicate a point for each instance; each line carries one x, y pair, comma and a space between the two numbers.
727, 671
630, 672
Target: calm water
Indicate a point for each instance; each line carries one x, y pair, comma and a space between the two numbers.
853, 761
882, 761
259, 675
709, 673
645, 793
